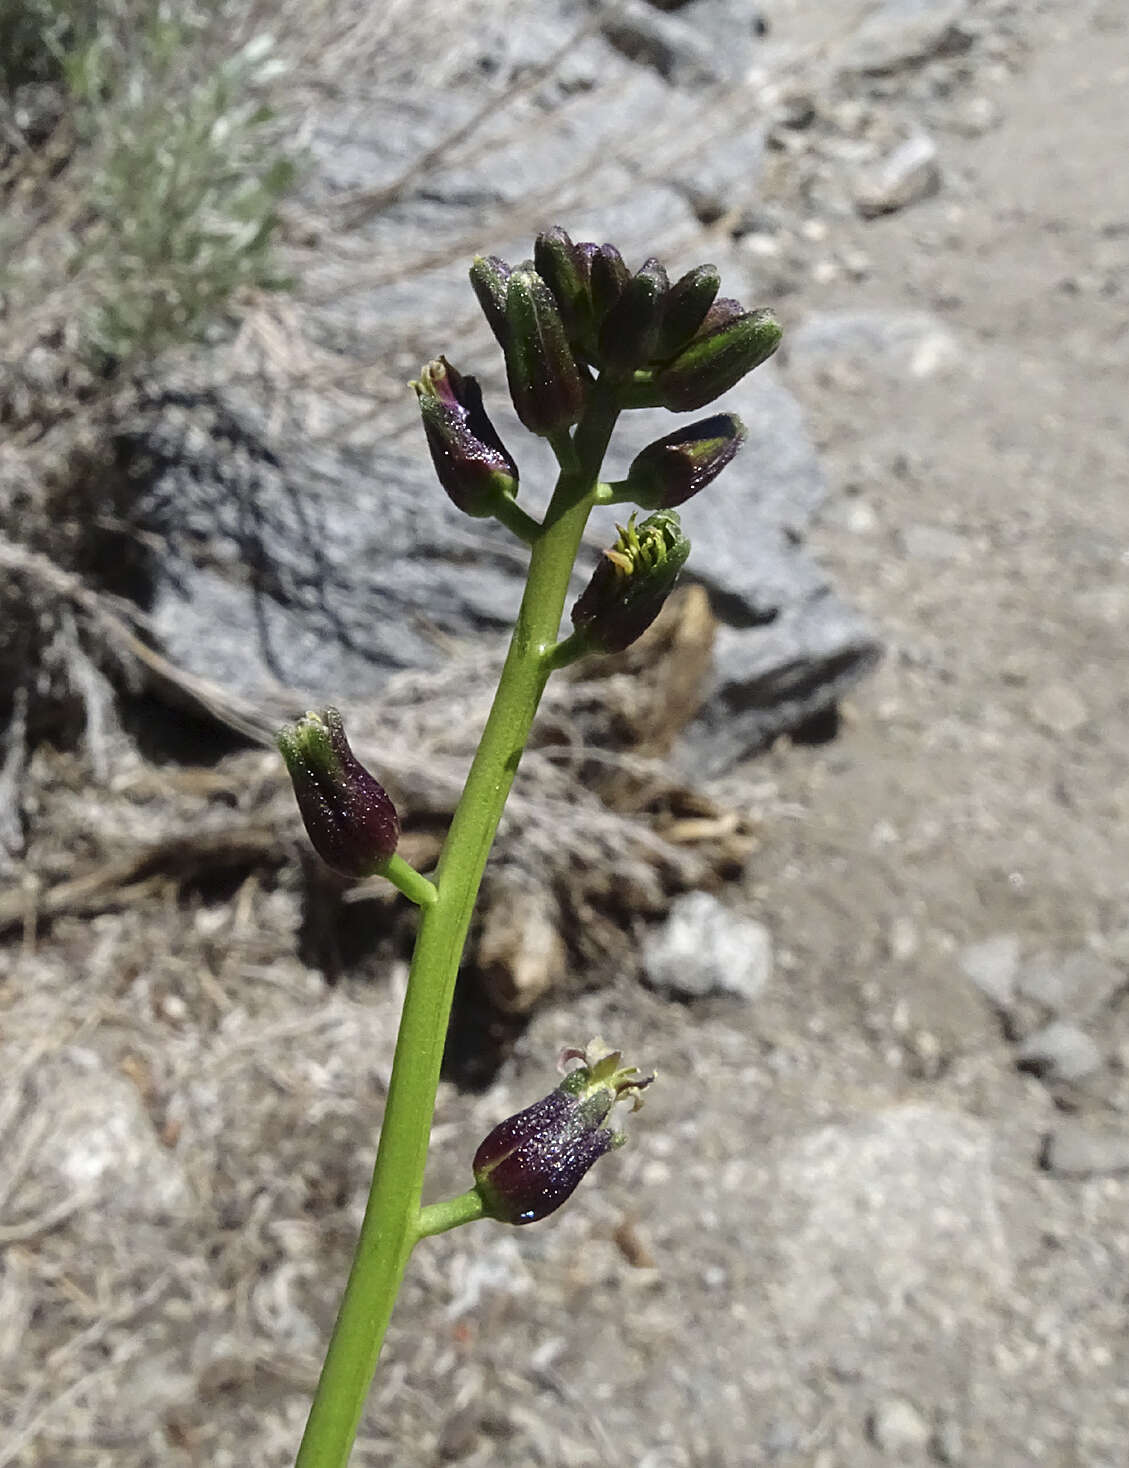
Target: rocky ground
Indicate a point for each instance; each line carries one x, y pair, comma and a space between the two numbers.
875, 1209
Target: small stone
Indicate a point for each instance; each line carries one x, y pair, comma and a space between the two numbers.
992, 965
705, 948
910, 173
903, 33
1079, 1149
1075, 984
898, 1428
1060, 1052
933, 543
1058, 708
904, 938
976, 116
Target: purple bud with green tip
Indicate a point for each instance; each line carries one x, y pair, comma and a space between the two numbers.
532, 1162
630, 330
564, 267
348, 814
673, 468
687, 303
609, 275
631, 582
545, 382
471, 462
730, 342
489, 276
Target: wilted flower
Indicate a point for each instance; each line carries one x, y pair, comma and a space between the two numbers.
470, 460
631, 582
532, 1162
673, 468
348, 814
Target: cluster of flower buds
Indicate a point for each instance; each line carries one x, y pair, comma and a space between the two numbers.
576, 309
348, 814
578, 306
532, 1162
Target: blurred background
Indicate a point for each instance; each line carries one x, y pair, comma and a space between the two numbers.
840, 847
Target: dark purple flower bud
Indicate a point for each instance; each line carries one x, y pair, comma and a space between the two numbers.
687, 302
470, 459
630, 330
545, 382
488, 276
730, 343
672, 469
609, 276
532, 1162
350, 819
565, 270
631, 583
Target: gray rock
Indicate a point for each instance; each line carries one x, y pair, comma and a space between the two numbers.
903, 177
885, 343
902, 33
897, 1428
705, 948
717, 42
993, 965
1078, 1148
291, 570
322, 577
1060, 1051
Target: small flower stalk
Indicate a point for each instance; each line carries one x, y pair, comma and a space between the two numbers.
348, 814
631, 583
471, 462
532, 1162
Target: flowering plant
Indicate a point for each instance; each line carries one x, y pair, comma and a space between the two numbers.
584, 340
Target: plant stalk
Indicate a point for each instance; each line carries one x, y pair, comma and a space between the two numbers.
392, 1222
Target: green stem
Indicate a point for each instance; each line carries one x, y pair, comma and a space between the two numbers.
568, 650
391, 1224
510, 514
437, 1218
411, 883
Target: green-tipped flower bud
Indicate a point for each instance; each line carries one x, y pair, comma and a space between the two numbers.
609, 276
729, 343
532, 1162
687, 302
545, 382
631, 582
488, 276
564, 268
470, 459
673, 468
630, 330
351, 821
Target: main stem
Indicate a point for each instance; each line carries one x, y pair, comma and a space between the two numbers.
391, 1225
